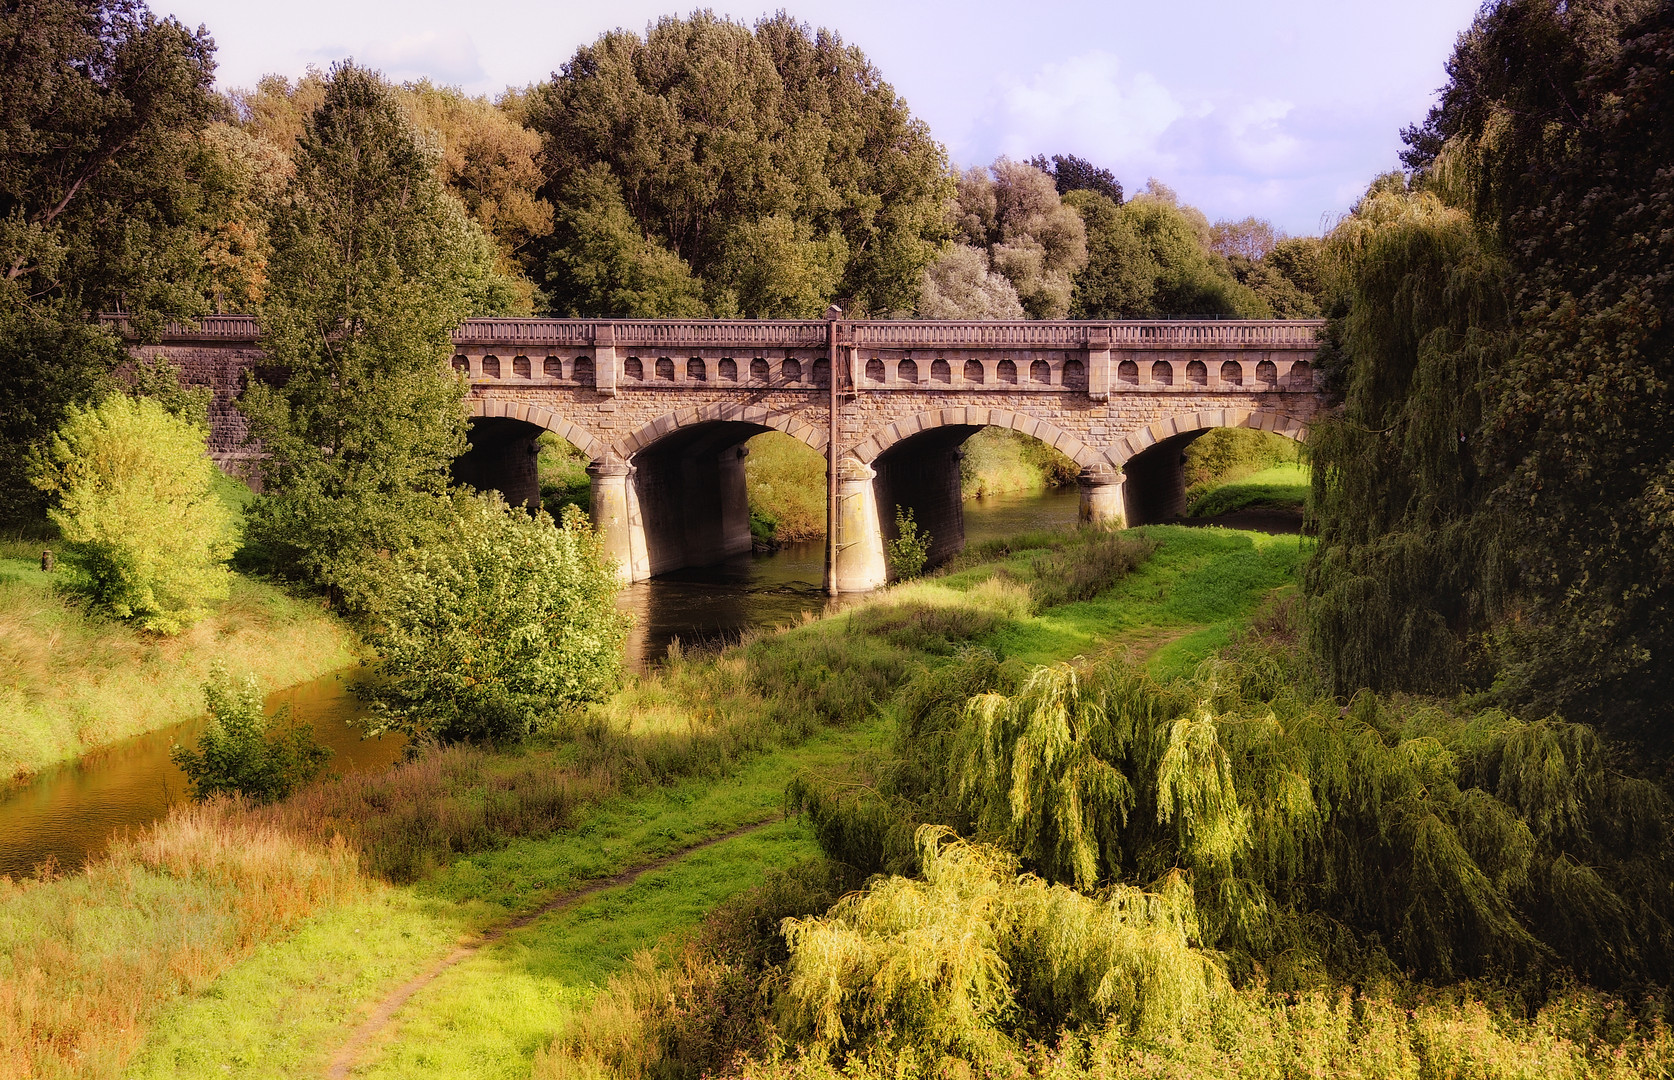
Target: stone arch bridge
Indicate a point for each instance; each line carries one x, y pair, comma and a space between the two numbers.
662, 409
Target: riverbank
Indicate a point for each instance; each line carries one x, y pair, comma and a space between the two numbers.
688, 751
71, 681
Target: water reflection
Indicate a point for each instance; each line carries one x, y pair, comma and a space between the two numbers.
68, 813
713, 605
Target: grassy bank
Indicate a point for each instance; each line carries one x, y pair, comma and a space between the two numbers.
71, 681
1280, 487
999, 461
687, 751
786, 482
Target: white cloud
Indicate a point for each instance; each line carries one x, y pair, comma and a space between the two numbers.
444, 57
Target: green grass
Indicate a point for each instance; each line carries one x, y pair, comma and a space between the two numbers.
999, 461
1282, 487
71, 680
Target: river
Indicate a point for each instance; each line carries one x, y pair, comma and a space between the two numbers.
69, 812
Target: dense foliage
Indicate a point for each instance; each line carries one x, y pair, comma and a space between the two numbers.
102, 202
134, 496
243, 751
774, 163
494, 626
1316, 840
360, 416
1506, 348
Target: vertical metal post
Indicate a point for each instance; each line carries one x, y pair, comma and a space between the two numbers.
832, 315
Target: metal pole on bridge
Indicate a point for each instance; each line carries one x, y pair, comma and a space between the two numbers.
832, 315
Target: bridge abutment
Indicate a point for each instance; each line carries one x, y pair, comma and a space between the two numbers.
1101, 496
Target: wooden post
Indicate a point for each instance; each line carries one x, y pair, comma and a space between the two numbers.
832, 515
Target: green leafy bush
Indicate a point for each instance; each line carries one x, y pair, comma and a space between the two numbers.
505, 619
135, 499
910, 549
245, 752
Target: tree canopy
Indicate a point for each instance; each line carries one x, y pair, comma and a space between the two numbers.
729, 145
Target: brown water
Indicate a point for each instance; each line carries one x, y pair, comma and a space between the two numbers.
68, 813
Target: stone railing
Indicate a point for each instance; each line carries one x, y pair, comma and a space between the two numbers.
673, 334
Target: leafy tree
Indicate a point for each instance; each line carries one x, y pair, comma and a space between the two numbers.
245, 752
1522, 406
1070, 173
485, 157
727, 142
1013, 213
373, 265
600, 263
1251, 238
495, 625
959, 285
134, 498
101, 106
1152, 256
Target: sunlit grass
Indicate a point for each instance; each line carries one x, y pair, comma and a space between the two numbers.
1282, 487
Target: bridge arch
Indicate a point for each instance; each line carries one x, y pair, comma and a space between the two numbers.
718, 413
887, 437
503, 449
1153, 458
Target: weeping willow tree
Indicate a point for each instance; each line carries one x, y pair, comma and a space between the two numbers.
1314, 838
1410, 569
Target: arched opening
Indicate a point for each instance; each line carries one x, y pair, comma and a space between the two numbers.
520, 366
1197, 373
973, 371
907, 371
1301, 376
1232, 373
1040, 372
791, 370
822, 372
1162, 373
552, 367
758, 370
697, 370
1127, 373
972, 480
634, 369
874, 370
501, 457
461, 365
1179, 478
692, 495
665, 368
582, 370
1267, 375
491, 367
1006, 372
729, 369
1075, 375
940, 372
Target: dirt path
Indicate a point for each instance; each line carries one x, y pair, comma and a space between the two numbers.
348, 1055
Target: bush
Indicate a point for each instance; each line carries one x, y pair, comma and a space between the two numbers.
245, 752
137, 506
910, 549
502, 621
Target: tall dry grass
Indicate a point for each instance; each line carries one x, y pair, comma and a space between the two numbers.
86, 961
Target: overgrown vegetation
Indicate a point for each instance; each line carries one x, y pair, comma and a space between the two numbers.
244, 751
1000, 461
134, 499
785, 479
502, 622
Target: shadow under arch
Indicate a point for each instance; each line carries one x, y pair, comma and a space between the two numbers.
916, 465
1153, 458
503, 451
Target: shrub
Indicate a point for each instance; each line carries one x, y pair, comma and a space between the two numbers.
245, 752
503, 620
910, 549
137, 507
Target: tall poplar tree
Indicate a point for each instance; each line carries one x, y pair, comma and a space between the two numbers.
373, 265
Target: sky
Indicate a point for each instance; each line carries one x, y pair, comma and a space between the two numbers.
1284, 109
